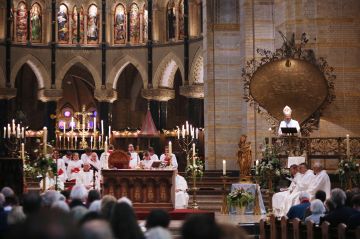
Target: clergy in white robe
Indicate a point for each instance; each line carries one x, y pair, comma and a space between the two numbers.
288, 122
134, 157
153, 156
74, 167
60, 165
85, 157
147, 162
67, 157
104, 158
95, 162
278, 198
169, 159
86, 178
320, 182
181, 196
50, 182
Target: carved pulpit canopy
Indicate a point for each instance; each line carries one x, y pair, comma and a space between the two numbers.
290, 76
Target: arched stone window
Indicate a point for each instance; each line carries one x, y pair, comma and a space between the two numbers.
63, 24
134, 23
92, 32
181, 20
77, 24
119, 24
21, 23
36, 23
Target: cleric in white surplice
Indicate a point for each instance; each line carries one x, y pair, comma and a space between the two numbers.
181, 196
288, 122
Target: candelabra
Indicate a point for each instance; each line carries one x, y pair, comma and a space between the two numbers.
14, 139
224, 207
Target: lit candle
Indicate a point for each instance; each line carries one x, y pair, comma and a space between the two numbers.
348, 146
257, 162
224, 167
23, 152
270, 138
68, 139
75, 141
4, 132
99, 140
170, 148
193, 149
197, 133
91, 142
13, 126
94, 125
9, 131
22, 132
109, 132
106, 147
64, 130
102, 127
60, 141
183, 133
187, 128
45, 140
178, 133
106, 139
18, 131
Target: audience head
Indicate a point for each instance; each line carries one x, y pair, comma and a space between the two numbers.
78, 213
61, 206
107, 204
338, 197
79, 192
51, 196
232, 232
151, 150
86, 167
96, 228
123, 222
329, 205
146, 155
321, 195
95, 206
318, 167
158, 233
157, 218
304, 196
125, 200
166, 149
68, 154
317, 207
93, 156
131, 148
2, 200
16, 215
7, 192
303, 168
199, 226
31, 203
293, 169
355, 201
88, 151
55, 154
75, 156
93, 195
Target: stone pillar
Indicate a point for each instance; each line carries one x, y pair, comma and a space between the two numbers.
163, 114
105, 97
105, 115
103, 44
155, 112
196, 112
150, 45
53, 45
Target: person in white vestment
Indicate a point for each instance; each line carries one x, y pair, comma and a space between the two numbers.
50, 182
320, 182
105, 157
67, 157
134, 157
302, 184
95, 162
61, 167
288, 122
74, 166
169, 159
153, 156
181, 196
147, 161
86, 177
87, 155
278, 198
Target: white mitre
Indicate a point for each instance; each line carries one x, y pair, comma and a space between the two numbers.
287, 110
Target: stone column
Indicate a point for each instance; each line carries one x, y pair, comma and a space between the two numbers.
103, 44
53, 44
105, 97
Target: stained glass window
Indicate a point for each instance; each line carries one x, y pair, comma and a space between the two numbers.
36, 23
21, 22
63, 24
92, 25
134, 24
120, 25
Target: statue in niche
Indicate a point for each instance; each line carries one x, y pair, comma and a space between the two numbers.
92, 31
181, 20
74, 24
171, 21
134, 24
63, 29
21, 23
119, 26
244, 156
35, 20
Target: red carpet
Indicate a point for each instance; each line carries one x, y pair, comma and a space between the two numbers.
177, 214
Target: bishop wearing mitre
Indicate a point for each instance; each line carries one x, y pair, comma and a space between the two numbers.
288, 122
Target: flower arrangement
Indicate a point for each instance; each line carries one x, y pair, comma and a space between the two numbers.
240, 198
349, 172
195, 169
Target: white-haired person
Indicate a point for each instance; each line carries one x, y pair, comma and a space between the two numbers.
86, 177
288, 122
320, 182
298, 211
181, 195
318, 210
78, 196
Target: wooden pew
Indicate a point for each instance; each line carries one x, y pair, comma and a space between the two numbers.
310, 226
341, 231
296, 228
262, 229
273, 228
284, 227
325, 230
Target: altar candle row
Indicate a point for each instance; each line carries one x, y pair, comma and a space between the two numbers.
186, 130
18, 132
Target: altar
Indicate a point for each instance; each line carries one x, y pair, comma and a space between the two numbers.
147, 189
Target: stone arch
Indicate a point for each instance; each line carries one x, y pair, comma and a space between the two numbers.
197, 68
38, 68
165, 72
121, 64
81, 60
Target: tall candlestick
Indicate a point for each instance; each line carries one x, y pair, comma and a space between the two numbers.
270, 138
102, 127
178, 133
75, 141
72, 124
45, 140
106, 139
9, 131
23, 132
193, 149
94, 124
23, 152
187, 128
99, 141
224, 167
18, 131
348, 146
91, 142
60, 141
197, 133
106, 147
170, 148
68, 139
64, 130
13, 126
109, 133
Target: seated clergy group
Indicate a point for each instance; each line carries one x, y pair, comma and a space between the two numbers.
86, 169
304, 181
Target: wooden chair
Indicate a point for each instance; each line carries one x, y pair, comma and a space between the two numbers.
341, 231
262, 229
325, 230
273, 229
310, 229
284, 227
296, 228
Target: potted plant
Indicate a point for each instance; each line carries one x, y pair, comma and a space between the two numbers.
240, 199
349, 173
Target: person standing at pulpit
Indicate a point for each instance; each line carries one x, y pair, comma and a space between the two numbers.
181, 195
288, 122
147, 161
95, 162
86, 177
169, 158
134, 157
